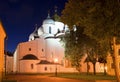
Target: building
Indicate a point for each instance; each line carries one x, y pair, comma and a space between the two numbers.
9, 64
39, 53
2, 47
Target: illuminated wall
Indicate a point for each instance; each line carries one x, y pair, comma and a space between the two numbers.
9, 64
43, 49
32, 47
2, 38
54, 50
28, 66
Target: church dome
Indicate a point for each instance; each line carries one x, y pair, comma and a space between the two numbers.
48, 20
31, 37
49, 25
40, 31
34, 35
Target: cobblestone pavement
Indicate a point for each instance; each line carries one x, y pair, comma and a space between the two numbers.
40, 78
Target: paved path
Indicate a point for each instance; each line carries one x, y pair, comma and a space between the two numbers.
40, 78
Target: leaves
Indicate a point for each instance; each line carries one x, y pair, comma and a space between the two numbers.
100, 20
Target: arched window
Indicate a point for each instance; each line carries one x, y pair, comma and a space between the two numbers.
50, 30
45, 68
58, 30
32, 66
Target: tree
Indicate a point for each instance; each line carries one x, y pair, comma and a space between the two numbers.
101, 19
102, 56
73, 47
92, 54
77, 44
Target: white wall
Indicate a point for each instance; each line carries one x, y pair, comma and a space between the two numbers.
9, 64
27, 67
51, 68
54, 50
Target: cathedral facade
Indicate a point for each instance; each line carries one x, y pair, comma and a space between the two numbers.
43, 52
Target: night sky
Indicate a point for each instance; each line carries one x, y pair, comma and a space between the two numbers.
19, 17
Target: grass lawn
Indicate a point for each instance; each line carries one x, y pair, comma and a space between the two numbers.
87, 77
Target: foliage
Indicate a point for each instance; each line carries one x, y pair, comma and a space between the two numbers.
101, 19
74, 47
76, 44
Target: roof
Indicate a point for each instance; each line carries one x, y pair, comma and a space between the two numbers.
45, 62
29, 57
48, 20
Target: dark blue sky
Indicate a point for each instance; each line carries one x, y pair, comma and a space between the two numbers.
20, 16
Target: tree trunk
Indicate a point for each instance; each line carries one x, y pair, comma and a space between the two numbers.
88, 67
94, 68
115, 60
104, 68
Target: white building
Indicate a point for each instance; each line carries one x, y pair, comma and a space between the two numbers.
37, 55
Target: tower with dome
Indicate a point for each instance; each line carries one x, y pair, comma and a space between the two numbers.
43, 47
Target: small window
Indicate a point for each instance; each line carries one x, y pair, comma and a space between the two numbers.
32, 66
119, 52
29, 49
45, 68
50, 30
42, 50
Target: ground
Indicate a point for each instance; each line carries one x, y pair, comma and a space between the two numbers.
46, 78
41, 78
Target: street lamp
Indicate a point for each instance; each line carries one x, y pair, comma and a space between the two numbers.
56, 61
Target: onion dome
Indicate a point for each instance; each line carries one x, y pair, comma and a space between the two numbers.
56, 17
49, 26
33, 35
40, 31
48, 20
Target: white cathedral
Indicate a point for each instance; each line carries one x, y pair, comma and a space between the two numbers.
43, 52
